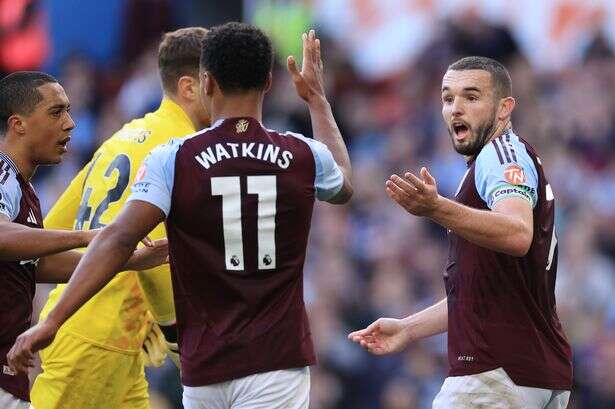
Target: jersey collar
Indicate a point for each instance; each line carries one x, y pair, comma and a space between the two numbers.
171, 108
9, 162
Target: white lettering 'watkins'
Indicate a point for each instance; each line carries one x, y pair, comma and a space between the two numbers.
265, 152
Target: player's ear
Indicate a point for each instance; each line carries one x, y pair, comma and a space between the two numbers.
17, 123
268, 82
208, 83
188, 87
507, 105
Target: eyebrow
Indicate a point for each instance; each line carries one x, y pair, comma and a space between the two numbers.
466, 89
58, 106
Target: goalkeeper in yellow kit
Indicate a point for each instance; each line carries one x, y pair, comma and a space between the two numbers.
96, 361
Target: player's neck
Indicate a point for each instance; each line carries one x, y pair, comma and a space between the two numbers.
502, 128
19, 157
234, 106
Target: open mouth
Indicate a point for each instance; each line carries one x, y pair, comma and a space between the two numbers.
461, 130
63, 143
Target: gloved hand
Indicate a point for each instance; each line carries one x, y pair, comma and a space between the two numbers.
172, 349
154, 349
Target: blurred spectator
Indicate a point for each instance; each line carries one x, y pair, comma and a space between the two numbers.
24, 43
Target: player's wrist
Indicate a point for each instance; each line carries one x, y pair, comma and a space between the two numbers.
84, 237
318, 102
435, 211
409, 328
52, 323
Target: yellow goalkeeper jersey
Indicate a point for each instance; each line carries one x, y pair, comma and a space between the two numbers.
115, 318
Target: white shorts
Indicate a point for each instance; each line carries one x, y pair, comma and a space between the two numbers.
495, 390
8, 401
285, 389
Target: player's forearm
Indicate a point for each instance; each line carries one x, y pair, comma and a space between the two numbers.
428, 322
490, 229
325, 130
57, 268
18, 242
106, 255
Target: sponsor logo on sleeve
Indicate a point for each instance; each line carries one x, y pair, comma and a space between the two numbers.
526, 192
514, 174
141, 173
141, 187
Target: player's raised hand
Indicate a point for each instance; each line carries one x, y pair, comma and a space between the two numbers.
155, 254
419, 196
383, 336
309, 82
21, 356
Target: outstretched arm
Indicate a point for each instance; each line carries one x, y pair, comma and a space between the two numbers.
106, 255
390, 335
59, 267
508, 228
19, 242
309, 83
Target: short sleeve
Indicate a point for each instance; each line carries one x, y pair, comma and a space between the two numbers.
329, 177
503, 170
10, 196
154, 180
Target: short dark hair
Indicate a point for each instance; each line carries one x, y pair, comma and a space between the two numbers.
238, 55
178, 55
19, 94
499, 74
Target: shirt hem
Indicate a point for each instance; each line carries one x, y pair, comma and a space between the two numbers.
517, 380
16, 394
220, 377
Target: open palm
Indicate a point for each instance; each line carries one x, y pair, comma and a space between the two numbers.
309, 82
384, 336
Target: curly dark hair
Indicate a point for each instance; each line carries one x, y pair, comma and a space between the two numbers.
178, 55
19, 94
239, 56
499, 74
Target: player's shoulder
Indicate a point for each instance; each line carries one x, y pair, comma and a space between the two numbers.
168, 150
504, 151
9, 181
136, 131
10, 187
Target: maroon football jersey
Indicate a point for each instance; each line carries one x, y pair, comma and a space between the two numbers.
240, 211
19, 203
501, 309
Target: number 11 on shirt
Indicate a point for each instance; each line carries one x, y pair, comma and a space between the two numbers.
229, 188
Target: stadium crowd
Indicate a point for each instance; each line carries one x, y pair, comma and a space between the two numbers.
369, 259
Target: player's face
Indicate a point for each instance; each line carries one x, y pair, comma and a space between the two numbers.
469, 109
49, 125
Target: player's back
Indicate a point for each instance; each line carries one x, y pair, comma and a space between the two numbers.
240, 211
93, 200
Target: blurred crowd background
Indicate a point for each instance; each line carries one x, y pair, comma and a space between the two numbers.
384, 62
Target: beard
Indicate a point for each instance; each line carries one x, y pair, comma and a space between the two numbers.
478, 139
